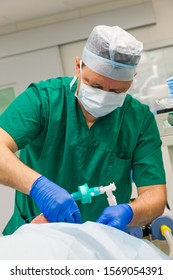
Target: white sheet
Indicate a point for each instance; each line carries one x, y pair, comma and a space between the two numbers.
64, 241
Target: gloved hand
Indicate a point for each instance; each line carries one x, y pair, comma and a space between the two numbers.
56, 203
118, 216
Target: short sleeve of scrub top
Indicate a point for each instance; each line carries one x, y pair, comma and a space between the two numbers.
25, 117
147, 163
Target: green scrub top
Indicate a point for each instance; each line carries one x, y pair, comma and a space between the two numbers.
50, 130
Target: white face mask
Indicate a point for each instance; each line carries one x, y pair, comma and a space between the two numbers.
98, 102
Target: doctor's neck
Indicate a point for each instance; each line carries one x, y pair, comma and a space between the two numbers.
90, 119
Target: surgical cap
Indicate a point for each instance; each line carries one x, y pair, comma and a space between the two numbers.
112, 52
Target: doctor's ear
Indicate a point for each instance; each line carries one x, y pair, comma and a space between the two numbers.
78, 66
136, 73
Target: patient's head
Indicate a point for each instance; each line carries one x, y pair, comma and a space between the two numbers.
40, 219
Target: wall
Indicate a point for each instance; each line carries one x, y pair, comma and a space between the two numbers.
20, 70
161, 34
153, 36
50, 50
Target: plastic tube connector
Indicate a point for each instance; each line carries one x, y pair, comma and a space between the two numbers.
109, 192
164, 228
85, 193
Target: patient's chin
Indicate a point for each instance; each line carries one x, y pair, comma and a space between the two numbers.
39, 220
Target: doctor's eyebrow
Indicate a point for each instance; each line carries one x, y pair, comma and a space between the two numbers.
96, 85
117, 90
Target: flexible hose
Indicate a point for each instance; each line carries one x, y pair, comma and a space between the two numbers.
167, 233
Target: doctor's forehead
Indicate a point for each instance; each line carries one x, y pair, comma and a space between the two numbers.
96, 79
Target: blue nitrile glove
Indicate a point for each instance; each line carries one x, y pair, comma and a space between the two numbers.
118, 216
56, 203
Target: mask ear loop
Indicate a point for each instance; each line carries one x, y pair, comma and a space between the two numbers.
81, 65
80, 74
75, 78
73, 81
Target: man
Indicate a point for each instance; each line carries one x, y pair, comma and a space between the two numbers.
84, 130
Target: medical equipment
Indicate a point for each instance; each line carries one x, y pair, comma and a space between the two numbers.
170, 118
162, 229
166, 219
159, 98
170, 85
167, 233
164, 123
85, 194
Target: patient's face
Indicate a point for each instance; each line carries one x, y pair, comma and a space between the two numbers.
40, 219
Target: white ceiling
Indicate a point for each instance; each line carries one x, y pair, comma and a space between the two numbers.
16, 11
